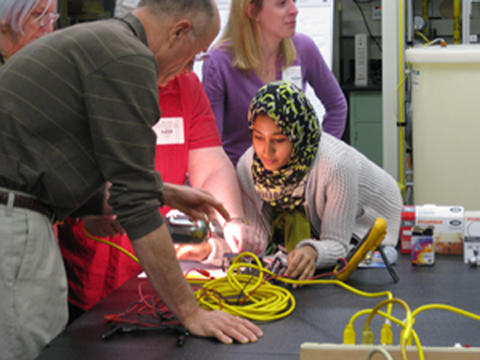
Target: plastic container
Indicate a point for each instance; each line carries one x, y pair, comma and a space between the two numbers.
445, 124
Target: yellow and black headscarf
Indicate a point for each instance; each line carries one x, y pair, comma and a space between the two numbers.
293, 113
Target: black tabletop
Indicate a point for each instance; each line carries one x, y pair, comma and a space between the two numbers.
321, 313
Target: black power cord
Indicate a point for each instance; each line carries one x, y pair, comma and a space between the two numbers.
356, 2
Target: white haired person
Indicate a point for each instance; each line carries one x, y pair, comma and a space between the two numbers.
307, 190
22, 21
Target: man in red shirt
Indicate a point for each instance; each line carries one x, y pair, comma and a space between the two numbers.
187, 143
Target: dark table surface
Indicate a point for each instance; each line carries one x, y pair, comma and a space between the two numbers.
321, 313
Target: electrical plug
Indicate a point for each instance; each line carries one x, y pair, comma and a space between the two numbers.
386, 334
367, 336
349, 335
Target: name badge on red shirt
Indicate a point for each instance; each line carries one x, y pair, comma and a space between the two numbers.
169, 131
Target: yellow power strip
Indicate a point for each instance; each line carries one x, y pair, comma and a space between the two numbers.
316, 351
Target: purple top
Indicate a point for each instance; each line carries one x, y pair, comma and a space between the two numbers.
230, 91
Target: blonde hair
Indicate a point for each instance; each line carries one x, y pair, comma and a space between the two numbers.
242, 38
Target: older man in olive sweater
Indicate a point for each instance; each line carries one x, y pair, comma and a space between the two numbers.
76, 110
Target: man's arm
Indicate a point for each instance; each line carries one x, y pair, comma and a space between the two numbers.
157, 256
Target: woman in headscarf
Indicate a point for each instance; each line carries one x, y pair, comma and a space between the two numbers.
306, 190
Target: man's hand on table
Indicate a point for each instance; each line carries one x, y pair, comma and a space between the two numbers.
223, 326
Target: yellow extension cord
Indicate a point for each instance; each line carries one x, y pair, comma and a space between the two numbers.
118, 247
407, 324
263, 300
253, 297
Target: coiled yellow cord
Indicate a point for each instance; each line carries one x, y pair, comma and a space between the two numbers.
252, 296
245, 295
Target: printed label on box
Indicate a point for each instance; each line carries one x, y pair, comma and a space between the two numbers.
448, 226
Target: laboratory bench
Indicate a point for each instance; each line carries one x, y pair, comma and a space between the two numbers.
320, 315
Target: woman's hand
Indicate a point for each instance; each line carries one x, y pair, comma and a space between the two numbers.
197, 252
242, 237
301, 263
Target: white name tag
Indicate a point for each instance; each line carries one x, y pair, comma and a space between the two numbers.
293, 74
131, 3
169, 131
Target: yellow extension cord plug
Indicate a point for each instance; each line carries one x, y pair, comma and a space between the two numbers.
367, 336
386, 334
349, 335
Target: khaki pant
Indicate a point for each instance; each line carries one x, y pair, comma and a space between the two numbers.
33, 288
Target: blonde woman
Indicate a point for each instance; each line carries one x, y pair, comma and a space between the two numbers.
22, 21
260, 45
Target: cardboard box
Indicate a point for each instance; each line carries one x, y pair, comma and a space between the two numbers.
471, 244
448, 226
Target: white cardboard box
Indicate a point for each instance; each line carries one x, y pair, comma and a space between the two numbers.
448, 226
471, 245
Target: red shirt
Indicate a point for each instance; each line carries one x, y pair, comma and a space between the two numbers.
94, 269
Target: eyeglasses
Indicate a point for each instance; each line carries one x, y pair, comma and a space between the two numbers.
49, 18
46, 19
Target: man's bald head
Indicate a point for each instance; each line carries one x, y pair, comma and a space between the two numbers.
202, 13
